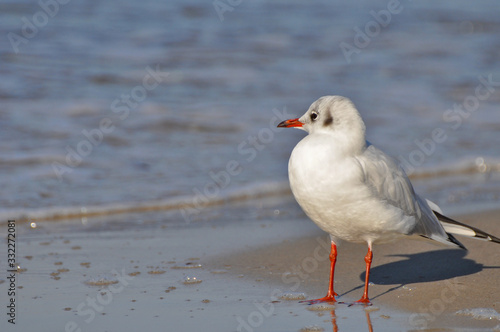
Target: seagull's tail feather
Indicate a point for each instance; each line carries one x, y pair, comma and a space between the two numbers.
429, 227
457, 228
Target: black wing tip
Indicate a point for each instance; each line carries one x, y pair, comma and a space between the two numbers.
493, 239
479, 234
452, 239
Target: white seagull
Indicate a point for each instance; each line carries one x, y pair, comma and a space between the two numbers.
357, 193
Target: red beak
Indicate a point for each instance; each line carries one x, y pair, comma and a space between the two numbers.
291, 123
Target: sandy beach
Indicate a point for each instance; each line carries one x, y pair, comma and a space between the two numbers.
241, 275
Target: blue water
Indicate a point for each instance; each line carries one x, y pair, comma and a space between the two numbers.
222, 82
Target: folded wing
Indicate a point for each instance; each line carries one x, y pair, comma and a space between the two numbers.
389, 182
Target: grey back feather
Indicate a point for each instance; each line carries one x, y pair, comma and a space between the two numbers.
389, 182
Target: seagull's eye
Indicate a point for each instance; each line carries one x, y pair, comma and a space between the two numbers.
314, 116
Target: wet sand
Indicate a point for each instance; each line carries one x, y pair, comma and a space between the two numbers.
110, 275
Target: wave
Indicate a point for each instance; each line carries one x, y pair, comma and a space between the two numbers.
466, 166
31, 160
194, 204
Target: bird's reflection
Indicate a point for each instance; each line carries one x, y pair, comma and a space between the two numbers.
334, 321
336, 328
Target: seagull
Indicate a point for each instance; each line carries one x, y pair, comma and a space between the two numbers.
357, 193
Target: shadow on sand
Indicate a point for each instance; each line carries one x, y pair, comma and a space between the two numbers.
424, 267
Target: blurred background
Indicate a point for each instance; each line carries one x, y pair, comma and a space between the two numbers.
120, 103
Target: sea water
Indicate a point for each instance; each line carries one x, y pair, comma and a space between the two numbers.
150, 104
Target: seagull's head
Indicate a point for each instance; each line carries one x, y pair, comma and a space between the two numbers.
331, 115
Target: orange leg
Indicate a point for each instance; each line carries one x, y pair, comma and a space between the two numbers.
330, 296
368, 259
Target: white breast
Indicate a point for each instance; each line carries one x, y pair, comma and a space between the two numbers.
330, 188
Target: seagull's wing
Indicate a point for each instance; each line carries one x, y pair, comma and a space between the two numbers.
389, 183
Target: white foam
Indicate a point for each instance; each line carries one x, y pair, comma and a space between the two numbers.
102, 280
480, 313
312, 328
190, 280
321, 307
292, 296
